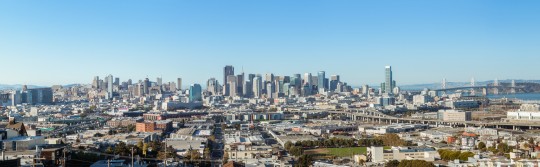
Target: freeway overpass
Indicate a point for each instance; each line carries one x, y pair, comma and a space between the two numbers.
373, 116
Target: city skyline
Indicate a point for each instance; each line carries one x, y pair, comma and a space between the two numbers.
62, 42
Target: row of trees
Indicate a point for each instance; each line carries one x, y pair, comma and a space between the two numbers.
501, 149
384, 140
409, 163
450, 155
391, 139
153, 149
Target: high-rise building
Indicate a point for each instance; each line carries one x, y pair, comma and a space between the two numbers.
269, 78
365, 89
36, 96
286, 88
95, 82
110, 84
314, 81
240, 84
334, 80
321, 77
231, 86
172, 86
257, 86
146, 85
228, 70
159, 81
195, 93
251, 76
388, 87
179, 82
270, 90
116, 81
212, 86
296, 82
307, 78
248, 88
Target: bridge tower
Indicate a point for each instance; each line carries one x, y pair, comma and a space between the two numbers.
496, 86
513, 87
473, 83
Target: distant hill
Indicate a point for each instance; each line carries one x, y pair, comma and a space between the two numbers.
17, 86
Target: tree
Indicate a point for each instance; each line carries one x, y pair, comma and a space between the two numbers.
391, 139
450, 155
212, 138
192, 155
481, 145
207, 153
296, 150
140, 145
170, 153
145, 148
531, 142
131, 128
223, 126
288, 145
361, 162
121, 149
392, 163
109, 150
304, 161
225, 157
415, 163
464, 156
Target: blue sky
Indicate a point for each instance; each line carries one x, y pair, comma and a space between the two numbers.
62, 42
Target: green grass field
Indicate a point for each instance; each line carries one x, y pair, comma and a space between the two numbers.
338, 152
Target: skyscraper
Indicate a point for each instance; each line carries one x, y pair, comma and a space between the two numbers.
110, 84
95, 82
240, 84
159, 81
257, 86
146, 85
228, 70
251, 76
296, 81
117, 81
179, 82
270, 89
248, 88
307, 78
321, 77
195, 93
388, 86
269, 78
231, 86
212, 86
334, 80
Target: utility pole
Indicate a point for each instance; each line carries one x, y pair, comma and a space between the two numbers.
166, 153
64, 164
132, 164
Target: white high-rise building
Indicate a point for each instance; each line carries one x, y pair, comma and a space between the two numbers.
257, 86
110, 86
